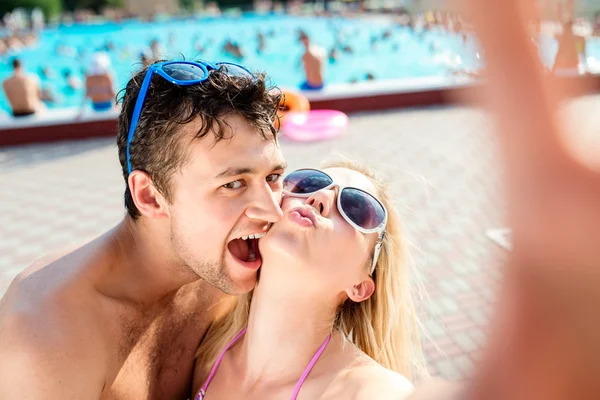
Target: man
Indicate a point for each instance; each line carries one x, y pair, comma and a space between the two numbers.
312, 60
122, 316
22, 91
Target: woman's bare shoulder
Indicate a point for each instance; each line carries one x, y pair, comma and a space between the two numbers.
375, 381
367, 380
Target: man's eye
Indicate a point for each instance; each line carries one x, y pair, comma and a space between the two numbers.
234, 185
274, 178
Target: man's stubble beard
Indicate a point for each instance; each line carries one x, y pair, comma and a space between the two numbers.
213, 272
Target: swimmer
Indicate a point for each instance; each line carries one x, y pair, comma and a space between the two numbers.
333, 55
46, 72
48, 96
312, 60
73, 82
261, 42
156, 50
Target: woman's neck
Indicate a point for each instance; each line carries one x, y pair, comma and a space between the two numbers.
284, 332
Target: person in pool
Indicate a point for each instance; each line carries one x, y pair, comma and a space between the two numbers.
313, 61
331, 316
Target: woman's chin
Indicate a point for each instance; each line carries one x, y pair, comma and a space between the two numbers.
280, 246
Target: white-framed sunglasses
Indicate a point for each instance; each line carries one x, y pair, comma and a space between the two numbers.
359, 208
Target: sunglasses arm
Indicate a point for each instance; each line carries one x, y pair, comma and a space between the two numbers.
137, 110
377, 250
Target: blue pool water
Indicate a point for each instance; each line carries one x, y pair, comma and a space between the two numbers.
403, 55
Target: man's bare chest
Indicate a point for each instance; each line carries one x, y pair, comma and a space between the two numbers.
158, 361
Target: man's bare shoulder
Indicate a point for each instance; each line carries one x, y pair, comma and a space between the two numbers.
43, 348
47, 335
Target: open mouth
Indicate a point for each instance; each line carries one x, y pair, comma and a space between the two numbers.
245, 250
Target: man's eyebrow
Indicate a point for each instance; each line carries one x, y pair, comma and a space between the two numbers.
236, 171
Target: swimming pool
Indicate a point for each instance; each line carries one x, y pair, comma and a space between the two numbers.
378, 47
403, 54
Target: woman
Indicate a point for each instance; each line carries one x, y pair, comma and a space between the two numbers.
99, 85
331, 316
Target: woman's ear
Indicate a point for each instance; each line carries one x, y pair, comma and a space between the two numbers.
146, 197
361, 291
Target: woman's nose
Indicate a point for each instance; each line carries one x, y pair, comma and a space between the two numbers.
322, 201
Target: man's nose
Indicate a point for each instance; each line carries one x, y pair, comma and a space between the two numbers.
265, 204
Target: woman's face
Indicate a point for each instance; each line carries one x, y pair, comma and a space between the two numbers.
325, 256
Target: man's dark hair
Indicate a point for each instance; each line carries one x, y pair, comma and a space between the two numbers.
158, 147
16, 63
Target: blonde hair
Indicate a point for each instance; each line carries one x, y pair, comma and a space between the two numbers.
385, 326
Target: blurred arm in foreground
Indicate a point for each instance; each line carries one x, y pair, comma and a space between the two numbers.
544, 337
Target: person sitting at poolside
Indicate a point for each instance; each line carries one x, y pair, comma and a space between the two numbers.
23, 91
596, 24
338, 249
571, 51
313, 61
99, 85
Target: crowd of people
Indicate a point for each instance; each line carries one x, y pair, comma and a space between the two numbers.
314, 59
21, 31
27, 97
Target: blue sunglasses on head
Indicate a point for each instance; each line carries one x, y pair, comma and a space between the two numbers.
182, 73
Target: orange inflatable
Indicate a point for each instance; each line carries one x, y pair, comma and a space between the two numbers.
293, 102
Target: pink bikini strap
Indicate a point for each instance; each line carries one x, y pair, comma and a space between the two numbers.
310, 367
237, 337
218, 362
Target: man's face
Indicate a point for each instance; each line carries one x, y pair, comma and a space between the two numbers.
226, 191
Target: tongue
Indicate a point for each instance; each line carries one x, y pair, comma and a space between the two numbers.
239, 249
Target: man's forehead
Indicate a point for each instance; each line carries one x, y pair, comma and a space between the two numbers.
243, 150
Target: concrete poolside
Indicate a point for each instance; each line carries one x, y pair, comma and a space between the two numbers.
444, 168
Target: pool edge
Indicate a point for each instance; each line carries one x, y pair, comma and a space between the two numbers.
456, 93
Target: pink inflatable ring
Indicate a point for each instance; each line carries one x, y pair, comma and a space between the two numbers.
314, 125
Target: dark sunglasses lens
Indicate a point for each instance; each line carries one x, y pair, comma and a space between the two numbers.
362, 208
184, 72
306, 181
235, 70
